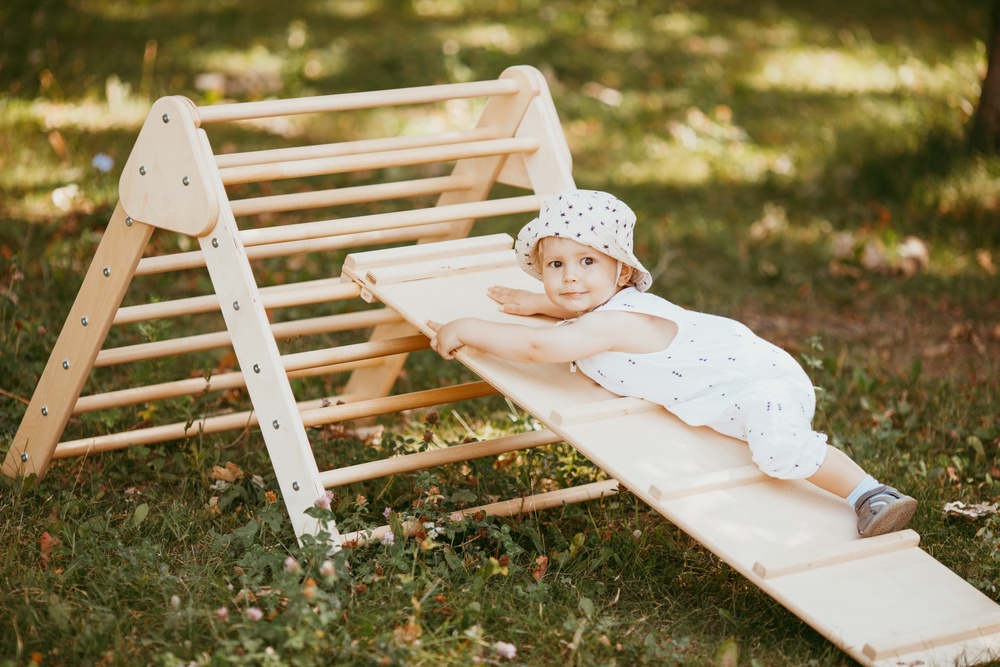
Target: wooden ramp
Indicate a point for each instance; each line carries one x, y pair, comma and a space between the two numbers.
883, 600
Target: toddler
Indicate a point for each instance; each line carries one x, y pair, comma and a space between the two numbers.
707, 370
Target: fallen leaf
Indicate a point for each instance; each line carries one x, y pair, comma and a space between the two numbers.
975, 511
230, 473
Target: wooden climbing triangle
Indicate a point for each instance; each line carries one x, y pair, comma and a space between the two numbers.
404, 207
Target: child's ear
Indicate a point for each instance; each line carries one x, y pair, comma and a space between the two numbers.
625, 275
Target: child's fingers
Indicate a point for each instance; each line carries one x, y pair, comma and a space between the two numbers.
434, 326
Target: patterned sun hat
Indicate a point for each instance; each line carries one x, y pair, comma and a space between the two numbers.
593, 218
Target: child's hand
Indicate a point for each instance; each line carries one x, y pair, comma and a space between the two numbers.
516, 301
445, 340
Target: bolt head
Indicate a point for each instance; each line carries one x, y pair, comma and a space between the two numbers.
142, 170
107, 271
45, 411
256, 368
275, 423
65, 363
166, 118
186, 181
83, 320
24, 456
295, 486
215, 243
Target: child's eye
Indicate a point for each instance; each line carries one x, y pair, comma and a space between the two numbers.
587, 261
555, 264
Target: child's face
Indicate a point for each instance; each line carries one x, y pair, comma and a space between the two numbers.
577, 277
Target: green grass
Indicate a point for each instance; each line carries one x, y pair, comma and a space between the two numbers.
748, 137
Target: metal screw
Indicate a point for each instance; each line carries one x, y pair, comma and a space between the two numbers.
215, 243
295, 486
256, 368
24, 456
107, 271
142, 171
236, 305
66, 363
275, 423
186, 181
128, 221
166, 118
45, 411
83, 320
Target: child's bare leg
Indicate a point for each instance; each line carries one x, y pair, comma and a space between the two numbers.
839, 474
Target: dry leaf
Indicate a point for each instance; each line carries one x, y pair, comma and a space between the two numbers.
541, 565
975, 511
230, 473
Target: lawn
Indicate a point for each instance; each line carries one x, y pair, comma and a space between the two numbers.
801, 167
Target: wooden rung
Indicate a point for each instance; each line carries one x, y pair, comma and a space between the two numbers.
193, 386
314, 413
613, 407
535, 503
936, 637
279, 296
355, 101
210, 341
713, 481
356, 352
303, 364
373, 260
361, 147
397, 403
298, 201
256, 173
395, 220
195, 259
436, 457
840, 553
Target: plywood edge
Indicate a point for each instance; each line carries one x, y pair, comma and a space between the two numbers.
363, 262
613, 407
713, 481
840, 553
936, 637
439, 267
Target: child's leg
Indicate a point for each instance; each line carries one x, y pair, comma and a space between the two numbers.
839, 474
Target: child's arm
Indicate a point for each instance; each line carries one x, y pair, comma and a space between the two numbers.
523, 302
584, 337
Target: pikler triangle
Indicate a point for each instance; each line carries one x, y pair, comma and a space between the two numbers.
431, 189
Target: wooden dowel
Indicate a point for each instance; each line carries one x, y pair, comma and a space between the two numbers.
840, 553
210, 341
513, 507
397, 403
344, 196
256, 173
313, 414
939, 636
346, 353
194, 386
395, 220
278, 296
228, 160
436, 457
354, 101
195, 259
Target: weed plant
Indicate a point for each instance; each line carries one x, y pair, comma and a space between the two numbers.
779, 155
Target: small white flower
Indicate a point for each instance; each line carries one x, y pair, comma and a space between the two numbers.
323, 502
505, 650
255, 614
327, 569
175, 601
389, 538
387, 512
291, 565
636, 533
222, 613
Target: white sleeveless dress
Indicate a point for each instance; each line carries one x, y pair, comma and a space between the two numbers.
718, 373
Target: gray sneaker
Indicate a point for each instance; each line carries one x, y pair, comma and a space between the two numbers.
883, 510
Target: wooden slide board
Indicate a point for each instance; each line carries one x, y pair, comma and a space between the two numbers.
883, 600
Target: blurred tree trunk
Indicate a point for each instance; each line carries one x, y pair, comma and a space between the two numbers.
986, 123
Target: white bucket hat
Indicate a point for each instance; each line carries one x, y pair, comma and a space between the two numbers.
595, 219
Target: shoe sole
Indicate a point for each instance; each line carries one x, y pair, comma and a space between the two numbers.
892, 518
